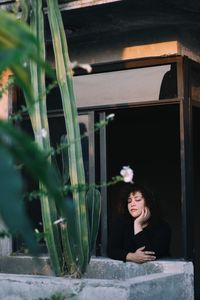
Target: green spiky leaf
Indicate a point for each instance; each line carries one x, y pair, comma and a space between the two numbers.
93, 201
65, 159
27, 152
12, 208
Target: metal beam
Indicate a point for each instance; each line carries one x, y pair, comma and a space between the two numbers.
103, 179
84, 3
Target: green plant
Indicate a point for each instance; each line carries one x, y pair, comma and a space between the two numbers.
76, 254
38, 116
17, 47
70, 220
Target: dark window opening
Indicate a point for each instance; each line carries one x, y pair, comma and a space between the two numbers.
196, 186
147, 139
195, 83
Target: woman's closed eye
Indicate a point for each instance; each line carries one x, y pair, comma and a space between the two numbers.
135, 199
129, 200
138, 199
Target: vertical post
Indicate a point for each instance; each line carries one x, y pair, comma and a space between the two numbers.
5, 243
186, 159
91, 148
103, 179
91, 151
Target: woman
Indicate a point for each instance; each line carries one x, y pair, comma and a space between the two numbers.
140, 235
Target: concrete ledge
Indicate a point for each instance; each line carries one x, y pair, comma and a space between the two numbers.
25, 265
106, 279
113, 269
99, 267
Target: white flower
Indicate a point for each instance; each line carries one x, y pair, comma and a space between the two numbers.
110, 116
61, 220
127, 174
86, 67
43, 133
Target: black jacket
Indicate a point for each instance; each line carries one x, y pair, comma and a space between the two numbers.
154, 237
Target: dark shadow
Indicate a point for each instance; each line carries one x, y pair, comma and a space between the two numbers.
168, 89
147, 139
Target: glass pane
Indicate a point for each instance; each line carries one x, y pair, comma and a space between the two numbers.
126, 86
57, 129
195, 83
54, 101
84, 131
118, 87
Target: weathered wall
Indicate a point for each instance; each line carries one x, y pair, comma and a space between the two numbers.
107, 279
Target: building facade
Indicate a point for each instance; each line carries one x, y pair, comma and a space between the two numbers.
145, 70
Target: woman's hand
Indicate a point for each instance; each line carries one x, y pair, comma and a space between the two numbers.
140, 256
143, 217
142, 220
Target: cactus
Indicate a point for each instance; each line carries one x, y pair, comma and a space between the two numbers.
70, 226
93, 204
76, 169
38, 116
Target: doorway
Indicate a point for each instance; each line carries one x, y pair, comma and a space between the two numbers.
148, 140
196, 204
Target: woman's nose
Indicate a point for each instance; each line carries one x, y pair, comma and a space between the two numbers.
132, 202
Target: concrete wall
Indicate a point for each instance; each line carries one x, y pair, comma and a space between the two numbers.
105, 279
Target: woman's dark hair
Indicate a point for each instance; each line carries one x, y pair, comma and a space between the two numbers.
132, 188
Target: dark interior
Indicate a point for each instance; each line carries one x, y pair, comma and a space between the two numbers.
147, 140
196, 186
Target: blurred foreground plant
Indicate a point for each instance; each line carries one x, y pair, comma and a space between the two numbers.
70, 220
17, 47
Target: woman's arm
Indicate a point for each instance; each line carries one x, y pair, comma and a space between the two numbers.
141, 256
156, 239
117, 251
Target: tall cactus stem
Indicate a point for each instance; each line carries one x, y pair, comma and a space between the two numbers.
76, 168
39, 123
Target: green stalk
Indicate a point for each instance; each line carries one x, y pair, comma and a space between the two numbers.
93, 200
76, 168
69, 227
40, 122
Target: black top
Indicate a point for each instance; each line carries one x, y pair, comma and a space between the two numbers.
154, 237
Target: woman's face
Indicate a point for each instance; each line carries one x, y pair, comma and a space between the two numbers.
136, 204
